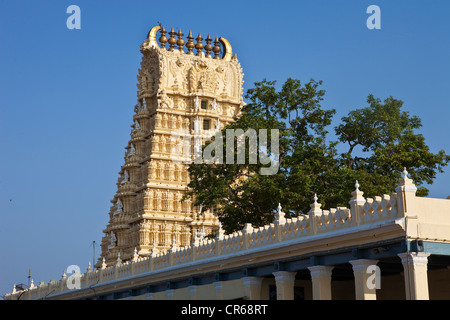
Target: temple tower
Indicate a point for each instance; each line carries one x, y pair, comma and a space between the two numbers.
181, 95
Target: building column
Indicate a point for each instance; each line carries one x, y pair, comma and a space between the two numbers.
252, 286
285, 284
321, 282
169, 294
364, 288
193, 292
415, 267
219, 290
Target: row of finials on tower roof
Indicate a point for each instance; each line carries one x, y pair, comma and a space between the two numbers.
190, 45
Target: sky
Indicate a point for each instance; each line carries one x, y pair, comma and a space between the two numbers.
67, 97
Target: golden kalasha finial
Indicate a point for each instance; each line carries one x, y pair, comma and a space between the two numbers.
163, 38
216, 48
220, 44
190, 44
208, 47
199, 45
180, 41
172, 41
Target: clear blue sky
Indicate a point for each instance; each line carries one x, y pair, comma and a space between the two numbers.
67, 97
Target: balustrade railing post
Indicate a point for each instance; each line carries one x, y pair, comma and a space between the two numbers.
314, 215
134, 261
152, 256
248, 229
171, 254
63, 281
279, 222
356, 205
218, 244
219, 240
117, 266
406, 195
151, 259
132, 266
41, 284
86, 280
102, 270
194, 248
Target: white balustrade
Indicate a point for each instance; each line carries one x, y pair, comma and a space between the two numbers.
318, 221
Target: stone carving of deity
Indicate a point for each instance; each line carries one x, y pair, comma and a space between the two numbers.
126, 177
138, 107
165, 101
119, 207
112, 240
132, 150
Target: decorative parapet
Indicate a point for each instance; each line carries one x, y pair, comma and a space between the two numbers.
362, 212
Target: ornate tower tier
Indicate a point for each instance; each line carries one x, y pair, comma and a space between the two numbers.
182, 94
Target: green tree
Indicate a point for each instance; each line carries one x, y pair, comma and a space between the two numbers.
238, 193
381, 141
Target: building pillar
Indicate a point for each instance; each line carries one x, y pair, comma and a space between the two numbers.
415, 267
252, 286
285, 284
321, 282
169, 294
364, 288
193, 292
219, 290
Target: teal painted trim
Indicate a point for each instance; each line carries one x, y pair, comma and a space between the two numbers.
440, 248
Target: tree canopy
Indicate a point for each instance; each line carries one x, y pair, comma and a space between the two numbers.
380, 140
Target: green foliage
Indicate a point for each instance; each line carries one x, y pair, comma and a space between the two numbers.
386, 136
381, 140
